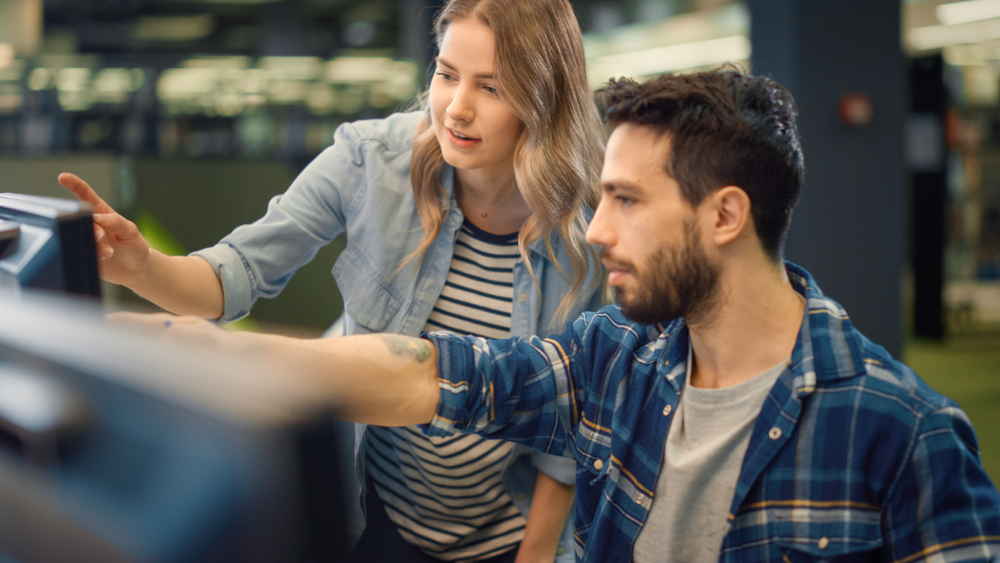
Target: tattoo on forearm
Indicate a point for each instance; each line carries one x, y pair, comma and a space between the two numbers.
408, 347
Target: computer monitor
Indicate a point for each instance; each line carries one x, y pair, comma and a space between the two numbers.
118, 447
47, 243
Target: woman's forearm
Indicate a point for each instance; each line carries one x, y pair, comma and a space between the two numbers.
550, 506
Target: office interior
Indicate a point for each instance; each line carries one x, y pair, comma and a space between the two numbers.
189, 115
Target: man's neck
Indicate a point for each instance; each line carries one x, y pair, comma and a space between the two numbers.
754, 327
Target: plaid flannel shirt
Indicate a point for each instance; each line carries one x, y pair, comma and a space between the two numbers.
852, 458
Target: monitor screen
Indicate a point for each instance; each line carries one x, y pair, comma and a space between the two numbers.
118, 447
47, 243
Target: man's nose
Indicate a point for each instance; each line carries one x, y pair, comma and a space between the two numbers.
601, 230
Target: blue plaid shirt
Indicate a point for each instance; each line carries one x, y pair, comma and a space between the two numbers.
852, 458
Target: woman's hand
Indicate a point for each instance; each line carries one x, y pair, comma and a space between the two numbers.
122, 252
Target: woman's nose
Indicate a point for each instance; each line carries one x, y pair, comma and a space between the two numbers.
460, 108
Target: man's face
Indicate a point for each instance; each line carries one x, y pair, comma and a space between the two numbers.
650, 237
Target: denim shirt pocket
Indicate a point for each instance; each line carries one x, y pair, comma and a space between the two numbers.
367, 296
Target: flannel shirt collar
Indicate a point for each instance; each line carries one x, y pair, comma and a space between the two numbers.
828, 347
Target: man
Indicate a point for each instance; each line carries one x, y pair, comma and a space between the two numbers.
726, 410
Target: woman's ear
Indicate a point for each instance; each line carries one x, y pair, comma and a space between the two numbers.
731, 207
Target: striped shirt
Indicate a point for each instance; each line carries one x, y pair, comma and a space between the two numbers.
852, 457
445, 494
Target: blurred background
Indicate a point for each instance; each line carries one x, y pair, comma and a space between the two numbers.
188, 115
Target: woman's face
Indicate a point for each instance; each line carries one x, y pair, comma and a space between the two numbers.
477, 130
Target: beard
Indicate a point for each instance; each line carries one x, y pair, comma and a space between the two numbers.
682, 282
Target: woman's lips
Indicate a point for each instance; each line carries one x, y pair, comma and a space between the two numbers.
464, 141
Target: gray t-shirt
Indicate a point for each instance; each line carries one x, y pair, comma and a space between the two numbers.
704, 453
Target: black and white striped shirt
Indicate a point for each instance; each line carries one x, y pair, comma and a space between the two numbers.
445, 494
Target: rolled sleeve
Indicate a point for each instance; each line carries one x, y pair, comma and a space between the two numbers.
458, 383
237, 278
561, 469
524, 390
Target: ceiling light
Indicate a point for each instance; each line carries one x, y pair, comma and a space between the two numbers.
173, 28
937, 36
6, 54
292, 68
671, 58
968, 11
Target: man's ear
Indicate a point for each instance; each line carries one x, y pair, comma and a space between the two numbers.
731, 208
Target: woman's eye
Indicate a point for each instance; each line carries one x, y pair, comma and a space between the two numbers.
625, 201
445, 76
491, 90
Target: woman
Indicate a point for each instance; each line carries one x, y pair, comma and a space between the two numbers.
466, 216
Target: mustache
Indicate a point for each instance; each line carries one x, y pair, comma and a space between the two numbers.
613, 263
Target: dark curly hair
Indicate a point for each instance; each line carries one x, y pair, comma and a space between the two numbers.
726, 129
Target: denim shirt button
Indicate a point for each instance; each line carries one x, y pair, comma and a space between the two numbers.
599, 464
774, 433
823, 542
522, 297
639, 498
666, 410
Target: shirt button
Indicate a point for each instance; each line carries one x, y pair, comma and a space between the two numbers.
666, 410
522, 297
639, 498
823, 542
599, 464
521, 496
774, 433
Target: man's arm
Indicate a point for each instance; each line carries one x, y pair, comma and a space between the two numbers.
943, 506
382, 379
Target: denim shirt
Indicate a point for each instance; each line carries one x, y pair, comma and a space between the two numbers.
361, 185
852, 457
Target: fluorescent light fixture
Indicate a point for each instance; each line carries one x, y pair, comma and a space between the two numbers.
73, 79
671, 57
184, 83
221, 63
292, 68
351, 70
40, 79
937, 36
173, 28
6, 54
13, 71
112, 85
986, 52
968, 11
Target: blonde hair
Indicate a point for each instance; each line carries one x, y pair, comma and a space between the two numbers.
541, 74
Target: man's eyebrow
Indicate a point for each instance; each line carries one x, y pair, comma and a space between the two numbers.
618, 186
451, 66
